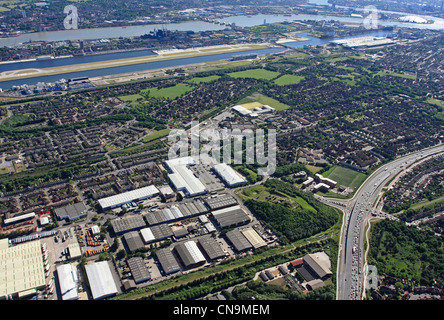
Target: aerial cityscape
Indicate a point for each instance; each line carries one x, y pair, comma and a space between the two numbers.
222, 151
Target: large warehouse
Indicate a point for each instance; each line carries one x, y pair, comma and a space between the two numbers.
189, 254
238, 240
138, 269
220, 202
21, 268
133, 240
229, 175
67, 282
176, 212
71, 212
318, 264
130, 223
167, 261
100, 280
128, 197
230, 217
211, 247
254, 238
156, 233
183, 178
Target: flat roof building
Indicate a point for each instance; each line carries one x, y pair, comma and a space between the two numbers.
176, 212
19, 218
241, 110
128, 197
189, 254
133, 240
67, 282
21, 267
320, 179
211, 247
220, 202
238, 240
254, 238
321, 187
167, 261
139, 271
228, 175
74, 250
72, 212
156, 233
183, 178
100, 280
130, 223
230, 217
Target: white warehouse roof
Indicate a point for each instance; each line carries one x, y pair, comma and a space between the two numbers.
100, 280
242, 110
67, 280
196, 254
147, 235
183, 178
228, 174
126, 197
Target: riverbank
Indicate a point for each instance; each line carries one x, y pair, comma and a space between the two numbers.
161, 56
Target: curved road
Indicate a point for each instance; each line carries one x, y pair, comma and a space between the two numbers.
357, 210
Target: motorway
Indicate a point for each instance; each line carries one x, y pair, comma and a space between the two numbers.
357, 211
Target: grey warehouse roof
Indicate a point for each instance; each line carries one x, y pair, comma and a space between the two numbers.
211, 247
133, 240
221, 202
238, 240
176, 212
167, 261
139, 270
129, 223
231, 216
72, 211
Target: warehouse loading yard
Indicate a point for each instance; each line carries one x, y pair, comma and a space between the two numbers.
95, 206
185, 233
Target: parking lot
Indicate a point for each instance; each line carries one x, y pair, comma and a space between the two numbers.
208, 177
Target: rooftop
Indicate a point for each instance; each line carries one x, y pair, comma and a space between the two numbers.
126, 197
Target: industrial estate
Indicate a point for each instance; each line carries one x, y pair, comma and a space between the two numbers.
99, 200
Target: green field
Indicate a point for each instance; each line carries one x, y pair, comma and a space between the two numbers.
172, 93
261, 193
313, 169
439, 104
436, 102
345, 177
253, 100
260, 74
131, 97
395, 74
288, 79
156, 135
15, 120
208, 79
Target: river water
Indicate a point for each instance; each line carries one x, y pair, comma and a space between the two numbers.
129, 68
115, 32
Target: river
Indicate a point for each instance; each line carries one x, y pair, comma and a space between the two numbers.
249, 21
115, 32
132, 68
107, 33
197, 26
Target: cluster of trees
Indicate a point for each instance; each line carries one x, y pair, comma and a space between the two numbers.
262, 290
288, 223
219, 281
405, 252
